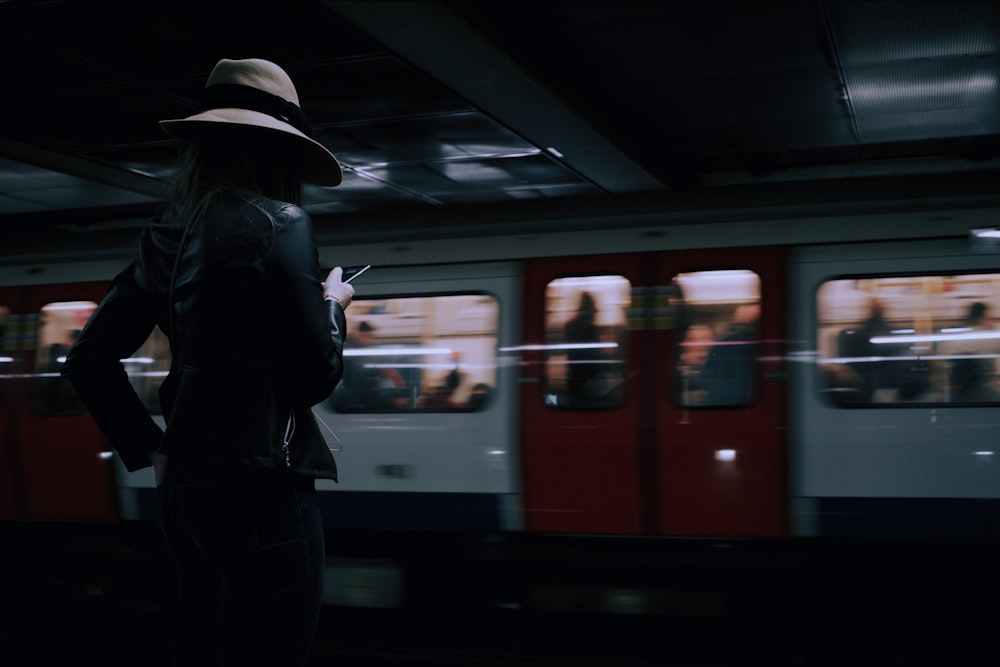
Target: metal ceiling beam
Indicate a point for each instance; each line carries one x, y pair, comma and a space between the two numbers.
97, 172
934, 205
427, 36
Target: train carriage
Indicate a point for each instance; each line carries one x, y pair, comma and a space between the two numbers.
774, 443
890, 441
712, 392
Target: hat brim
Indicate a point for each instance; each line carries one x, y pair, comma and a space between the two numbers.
318, 165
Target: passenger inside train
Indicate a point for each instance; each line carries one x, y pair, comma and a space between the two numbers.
718, 340
443, 393
909, 339
585, 342
973, 370
422, 353
728, 374
583, 356
367, 384
59, 325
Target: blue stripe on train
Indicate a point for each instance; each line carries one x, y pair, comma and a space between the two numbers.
357, 510
952, 519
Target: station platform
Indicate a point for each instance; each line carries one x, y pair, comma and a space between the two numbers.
103, 593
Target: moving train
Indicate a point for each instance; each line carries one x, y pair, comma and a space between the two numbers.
725, 380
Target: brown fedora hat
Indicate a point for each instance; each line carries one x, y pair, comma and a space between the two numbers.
257, 95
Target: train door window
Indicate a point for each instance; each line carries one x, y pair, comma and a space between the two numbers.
421, 353
6, 358
885, 340
59, 325
585, 342
4, 340
147, 368
715, 351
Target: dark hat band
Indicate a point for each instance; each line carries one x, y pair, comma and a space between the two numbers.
236, 96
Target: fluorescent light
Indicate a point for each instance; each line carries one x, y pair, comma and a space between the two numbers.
69, 305
942, 87
560, 346
396, 351
937, 338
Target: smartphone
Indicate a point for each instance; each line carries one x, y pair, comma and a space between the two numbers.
352, 272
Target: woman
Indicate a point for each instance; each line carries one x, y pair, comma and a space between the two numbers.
230, 273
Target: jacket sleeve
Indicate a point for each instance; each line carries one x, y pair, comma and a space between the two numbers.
119, 325
310, 357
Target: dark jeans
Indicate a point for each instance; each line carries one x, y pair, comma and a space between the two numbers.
249, 550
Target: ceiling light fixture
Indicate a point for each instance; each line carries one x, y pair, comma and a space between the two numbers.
986, 240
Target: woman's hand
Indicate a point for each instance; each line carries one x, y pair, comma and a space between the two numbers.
336, 289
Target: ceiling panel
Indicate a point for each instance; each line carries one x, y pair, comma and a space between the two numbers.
420, 138
688, 41
771, 98
919, 125
920, 86
371, 88
156, 158
876, 32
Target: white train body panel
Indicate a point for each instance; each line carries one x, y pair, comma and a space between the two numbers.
451, 452
911, 451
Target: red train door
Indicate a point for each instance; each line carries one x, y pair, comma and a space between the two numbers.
11, 362
721, 454
64, 468
580, 406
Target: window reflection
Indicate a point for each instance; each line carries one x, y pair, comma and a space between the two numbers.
148, 367
59, 325
434, 353
6, 347
907, 339
717, 339
585, 326
4, 334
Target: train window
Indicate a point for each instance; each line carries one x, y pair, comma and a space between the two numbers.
4, 314
585, 342
909, 339
715, 351
147, 368
6, 359
422, 353
60, 323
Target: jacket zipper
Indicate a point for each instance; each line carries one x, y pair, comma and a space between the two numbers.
286, 442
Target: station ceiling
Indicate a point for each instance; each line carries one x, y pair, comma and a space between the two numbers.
482, 114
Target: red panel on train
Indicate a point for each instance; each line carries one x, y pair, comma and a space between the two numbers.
580, 413
678, 428
722, 439
63, 460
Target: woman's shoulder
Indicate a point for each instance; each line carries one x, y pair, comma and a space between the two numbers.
281, 210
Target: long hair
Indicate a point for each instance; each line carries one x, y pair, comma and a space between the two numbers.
257, 165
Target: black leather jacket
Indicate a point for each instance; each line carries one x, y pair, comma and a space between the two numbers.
253, 344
